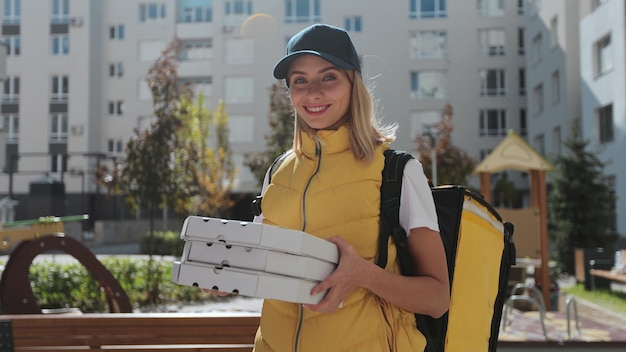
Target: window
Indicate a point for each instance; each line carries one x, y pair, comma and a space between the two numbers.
428, 45
610, 182
523, 129
537, 44
239, 51
197, 49
60, 89
521, 7
12, 12
239, 89
116, 108
60, 11
195, 11
241, 128
150, 50
538, 99
483, 153
11, 127
493, 122
58, 163
540, 144
521, 48
556, 87
298, 11
490, 8
60, 45
419, 9
353, 24
605, 123
199, 85
11, 92
238, 7
603, 55
115, 146
492, 42
116, 32
422, 118
151, 11
429, 84
554, 32
13, 44
492, 82
144, 91
522, 82
556, 140
116, 69
58, 128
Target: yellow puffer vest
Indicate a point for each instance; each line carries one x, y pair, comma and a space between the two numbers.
326, 191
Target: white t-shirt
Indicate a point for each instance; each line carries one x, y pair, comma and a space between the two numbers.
417, 208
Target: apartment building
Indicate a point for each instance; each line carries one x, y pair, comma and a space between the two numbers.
75, 86
574, 70
603, 85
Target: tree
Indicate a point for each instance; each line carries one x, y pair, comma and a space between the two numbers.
454, 165
147, 175
580, 205
280, 136
505, 195
217, 172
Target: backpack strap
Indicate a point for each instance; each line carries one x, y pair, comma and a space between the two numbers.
390, 191
256, 202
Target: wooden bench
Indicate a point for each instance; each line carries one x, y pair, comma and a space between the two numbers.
606, 274
128, 331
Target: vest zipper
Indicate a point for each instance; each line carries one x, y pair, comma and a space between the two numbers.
318, 154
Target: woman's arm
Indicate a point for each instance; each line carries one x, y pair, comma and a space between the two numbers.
428, 292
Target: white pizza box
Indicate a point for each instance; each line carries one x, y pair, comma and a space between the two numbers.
249, 283
257, 235
260, 259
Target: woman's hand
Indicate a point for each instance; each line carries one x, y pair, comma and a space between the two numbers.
347, 277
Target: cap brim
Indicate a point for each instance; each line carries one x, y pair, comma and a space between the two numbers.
281, 70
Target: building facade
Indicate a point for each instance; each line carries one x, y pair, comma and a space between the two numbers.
76, 75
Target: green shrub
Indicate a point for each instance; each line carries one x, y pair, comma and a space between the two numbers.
147, 282
163, 243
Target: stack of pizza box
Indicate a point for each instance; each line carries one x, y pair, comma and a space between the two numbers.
253, 259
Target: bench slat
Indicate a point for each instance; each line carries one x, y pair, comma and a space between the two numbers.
230, 333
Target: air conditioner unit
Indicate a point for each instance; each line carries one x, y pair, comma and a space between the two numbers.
227, 29
76, 130
76, 21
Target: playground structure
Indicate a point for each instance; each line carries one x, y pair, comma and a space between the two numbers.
26, 239
531, 224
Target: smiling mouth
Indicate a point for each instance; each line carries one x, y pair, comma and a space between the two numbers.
316, 109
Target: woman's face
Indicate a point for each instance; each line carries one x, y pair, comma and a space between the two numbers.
319, 91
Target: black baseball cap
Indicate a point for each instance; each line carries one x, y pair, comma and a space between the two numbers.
328, 42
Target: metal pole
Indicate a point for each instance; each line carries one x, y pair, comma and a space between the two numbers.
433, 159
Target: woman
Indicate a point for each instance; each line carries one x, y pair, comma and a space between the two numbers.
329, 186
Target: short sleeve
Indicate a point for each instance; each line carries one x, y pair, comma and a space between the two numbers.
417, 207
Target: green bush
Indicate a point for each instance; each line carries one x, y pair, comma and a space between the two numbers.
147, 282
163, 243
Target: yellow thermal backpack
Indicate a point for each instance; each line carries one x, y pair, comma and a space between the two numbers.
480, 253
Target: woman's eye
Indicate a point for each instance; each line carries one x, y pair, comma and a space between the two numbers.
330, 78
298, 80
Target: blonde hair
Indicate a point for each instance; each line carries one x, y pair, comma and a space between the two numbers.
366, 128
